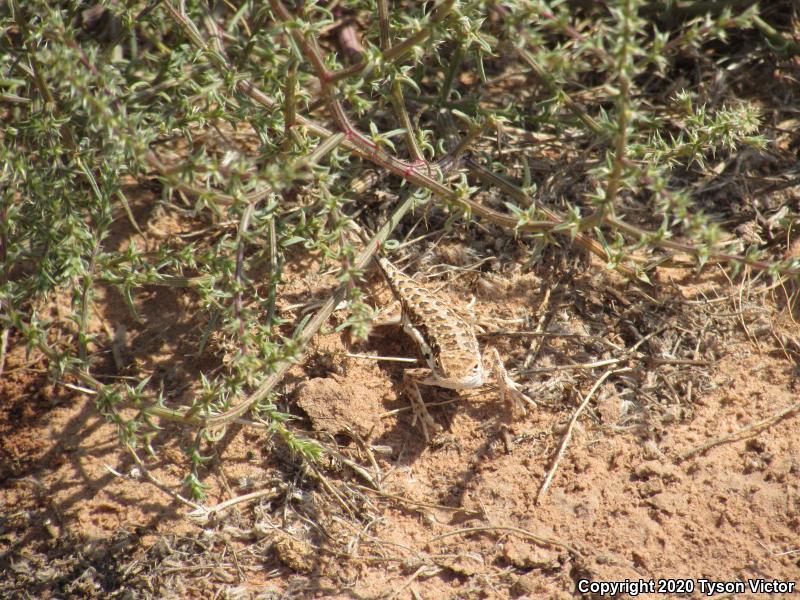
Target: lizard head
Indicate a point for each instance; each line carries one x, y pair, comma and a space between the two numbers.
458, 369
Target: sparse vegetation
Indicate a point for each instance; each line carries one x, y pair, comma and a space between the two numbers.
267, 133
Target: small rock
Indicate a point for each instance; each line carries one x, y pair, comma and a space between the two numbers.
529, 556
656, 468
525, 585
651, 488
293, 553
648, 469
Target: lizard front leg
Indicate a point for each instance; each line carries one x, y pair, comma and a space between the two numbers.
411, 380
506, 385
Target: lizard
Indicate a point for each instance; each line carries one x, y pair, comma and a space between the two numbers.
448, 344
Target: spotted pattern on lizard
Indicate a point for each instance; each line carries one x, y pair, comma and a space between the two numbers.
447, 342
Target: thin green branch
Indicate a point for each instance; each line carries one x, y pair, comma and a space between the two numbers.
361, 146
621, 139
301, 339
392, 54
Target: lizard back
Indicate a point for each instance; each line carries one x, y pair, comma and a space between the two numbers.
455, 354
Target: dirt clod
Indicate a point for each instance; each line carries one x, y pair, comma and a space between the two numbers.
336, 405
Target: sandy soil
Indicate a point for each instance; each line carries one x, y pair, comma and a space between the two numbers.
386, 515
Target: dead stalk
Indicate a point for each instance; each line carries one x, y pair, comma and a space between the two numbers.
567, 435
742, 433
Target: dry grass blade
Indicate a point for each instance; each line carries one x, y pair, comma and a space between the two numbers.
517, 530
567, 435
743, 433
206, 512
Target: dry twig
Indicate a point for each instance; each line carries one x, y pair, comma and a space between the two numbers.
742, 433
567, 435
543, 541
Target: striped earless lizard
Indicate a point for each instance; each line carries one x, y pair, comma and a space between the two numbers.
448, 344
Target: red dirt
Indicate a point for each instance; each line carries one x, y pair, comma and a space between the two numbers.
620, 496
